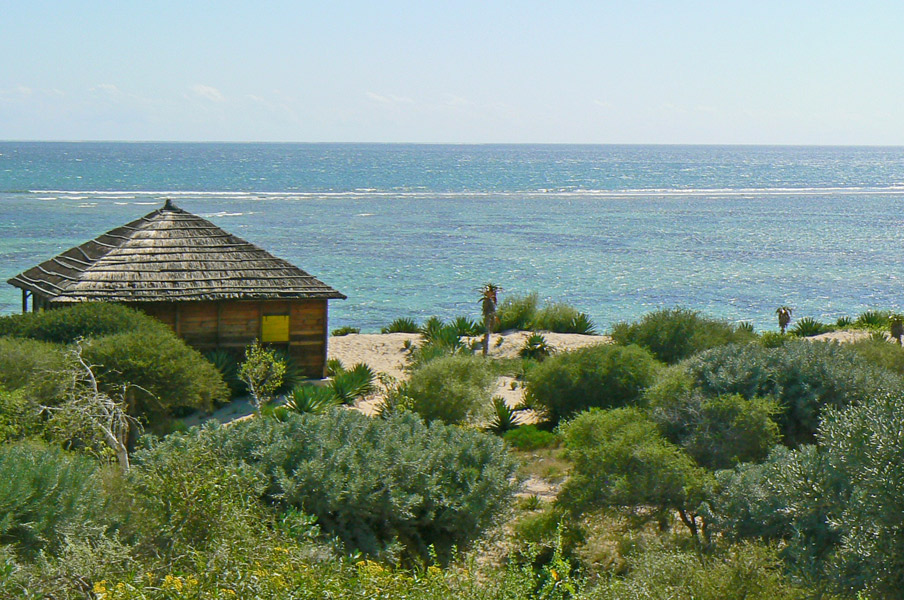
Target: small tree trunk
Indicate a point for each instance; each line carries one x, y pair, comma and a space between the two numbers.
486, 342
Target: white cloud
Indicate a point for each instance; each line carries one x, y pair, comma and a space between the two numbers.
208, 92
107, 88
388, 98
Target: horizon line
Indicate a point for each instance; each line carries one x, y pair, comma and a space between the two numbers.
373, 143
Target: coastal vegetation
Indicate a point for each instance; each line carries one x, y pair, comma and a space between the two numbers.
682, 457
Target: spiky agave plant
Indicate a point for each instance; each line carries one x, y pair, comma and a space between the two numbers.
784, 317
352, 384
504, 418
536, 347
313, 399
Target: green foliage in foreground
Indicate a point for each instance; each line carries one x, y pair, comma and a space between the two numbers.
835, 507
165, 373
528, 437
622, 461
379, 485
81, 320
453, 389
44, 494
803, 377
526, 314
719, 432
601, 376
34, 367
675, 334
882, 353
746, 572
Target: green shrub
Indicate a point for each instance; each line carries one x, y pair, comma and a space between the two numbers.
402, 325
863, 448
37, 368
452, 389
524, 313
184, 496
773, 339
45, 494
374, 483
82, 320
596, 376
518, 312
166, 373
562, 318
802, 376
744, 572
882, 353
844, 322
622, 461
718, 432
675, 334
808, 326
345, 330
20, 416
528, 437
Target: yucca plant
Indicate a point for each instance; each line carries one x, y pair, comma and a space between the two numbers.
808, 326
582, 324
536, 347
504, 418
294, 374
333, 366
872, 319
844, 322
402, 325
431, 326
466, 327
745, 326
312, 399
357, 382
226, 363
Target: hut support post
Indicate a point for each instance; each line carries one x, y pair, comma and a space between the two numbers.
25, 295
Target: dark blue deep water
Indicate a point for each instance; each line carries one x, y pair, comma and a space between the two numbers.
416, 229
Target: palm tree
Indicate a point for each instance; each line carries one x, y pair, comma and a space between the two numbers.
488, 302
896, 325
784, 317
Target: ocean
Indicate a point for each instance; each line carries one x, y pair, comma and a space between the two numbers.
415, 230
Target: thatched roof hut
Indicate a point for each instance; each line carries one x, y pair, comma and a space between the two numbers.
215, 289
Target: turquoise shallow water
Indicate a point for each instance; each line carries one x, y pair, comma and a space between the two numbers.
415, 230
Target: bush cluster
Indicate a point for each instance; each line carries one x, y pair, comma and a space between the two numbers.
803, 377
453, 389
675, 334
525, 313
379, 485
599, 376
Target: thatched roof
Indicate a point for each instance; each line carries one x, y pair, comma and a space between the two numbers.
169, 255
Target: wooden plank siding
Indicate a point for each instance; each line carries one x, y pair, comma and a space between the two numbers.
233, 325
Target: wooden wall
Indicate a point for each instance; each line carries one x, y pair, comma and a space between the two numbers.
232, 325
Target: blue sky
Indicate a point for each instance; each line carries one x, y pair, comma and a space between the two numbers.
469, 71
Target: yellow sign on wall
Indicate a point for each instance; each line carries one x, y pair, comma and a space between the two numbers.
275, 328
